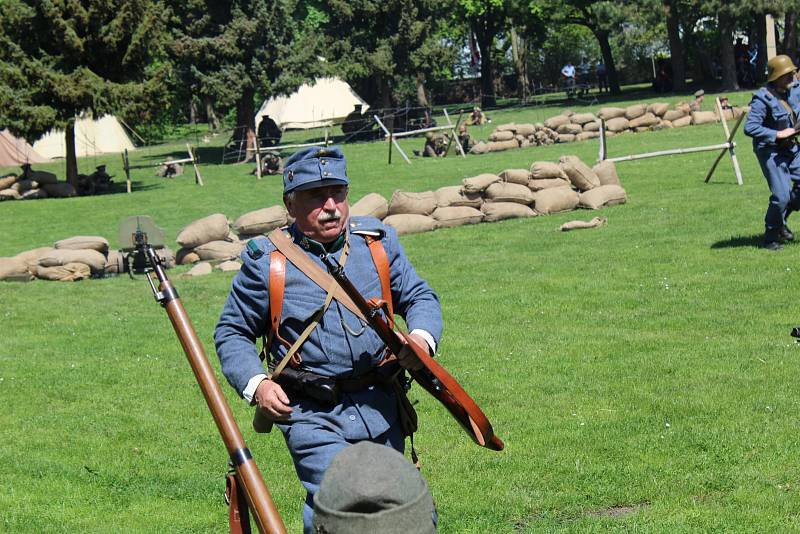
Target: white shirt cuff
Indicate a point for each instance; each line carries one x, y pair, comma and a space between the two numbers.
424, 334
252, 384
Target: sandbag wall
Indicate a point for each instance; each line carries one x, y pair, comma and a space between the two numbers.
38, 184
569, 126
543, 189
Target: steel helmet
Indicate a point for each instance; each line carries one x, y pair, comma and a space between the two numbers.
778, 66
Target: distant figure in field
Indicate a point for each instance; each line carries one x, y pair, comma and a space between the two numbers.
271, 163
477, 117
697, 104
434, 146
465, 138
774, 111
268, 132
568, 77
602, 77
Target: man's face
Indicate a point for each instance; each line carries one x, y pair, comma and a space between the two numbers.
320, 213
784, 81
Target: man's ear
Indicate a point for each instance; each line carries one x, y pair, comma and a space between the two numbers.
289, 205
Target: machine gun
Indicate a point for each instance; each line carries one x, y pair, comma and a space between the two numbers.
247, 477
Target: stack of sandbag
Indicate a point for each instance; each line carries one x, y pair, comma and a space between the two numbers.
372, 205
259, 222
210, 239
33, 185
508, 136
71, 259
411, 213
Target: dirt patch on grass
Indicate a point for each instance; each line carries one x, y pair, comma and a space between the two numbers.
618, 510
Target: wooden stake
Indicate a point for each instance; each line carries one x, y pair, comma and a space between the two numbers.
197, 178
127, 167
392, 138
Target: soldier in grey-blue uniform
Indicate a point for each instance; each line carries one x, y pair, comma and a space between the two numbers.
340, 346
774, 110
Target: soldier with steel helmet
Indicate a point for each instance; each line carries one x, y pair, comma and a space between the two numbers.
774, 114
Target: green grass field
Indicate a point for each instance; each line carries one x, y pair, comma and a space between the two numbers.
641, 374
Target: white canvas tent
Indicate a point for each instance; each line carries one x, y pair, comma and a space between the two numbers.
92, 136
319, 104
15, 151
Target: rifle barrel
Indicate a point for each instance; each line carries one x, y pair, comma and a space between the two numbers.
258, 496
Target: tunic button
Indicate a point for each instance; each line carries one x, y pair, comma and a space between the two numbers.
352, 417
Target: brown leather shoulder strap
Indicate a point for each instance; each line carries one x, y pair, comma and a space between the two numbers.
300, 260
238, 513
381, 261
277, 284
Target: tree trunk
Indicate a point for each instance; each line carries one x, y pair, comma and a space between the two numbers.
608, 59
790, 35
485, 43
760, 38
422, 98
519, 51
193, 111
245, 125
729, 82
72, 160
675, 46
213, 121
386, 102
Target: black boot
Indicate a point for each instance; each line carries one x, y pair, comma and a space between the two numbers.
786, 235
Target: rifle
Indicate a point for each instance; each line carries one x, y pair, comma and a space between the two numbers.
432, 377
247, 474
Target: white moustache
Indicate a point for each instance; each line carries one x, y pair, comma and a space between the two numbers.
327, 216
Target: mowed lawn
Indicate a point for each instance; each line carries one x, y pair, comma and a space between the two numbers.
641, 375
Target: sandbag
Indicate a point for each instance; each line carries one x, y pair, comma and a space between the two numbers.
69, 272
450, 216
640, 129
583, 118
648, 119
167, 256
683, 121
583, 136
7, 181
16, 270
608, 113
83, 242
43, 177
579, 173
200, 269
479, 148
605, 195
596, 222
547, 169
229, 266
372, 205
31, 257
60, 190
618, 124
565, 138
606, 172
508, 192
503, 135
593, 126
569, 128
683, 106
525, 129
409, 223
516, 176
477, 184
547, 183
454, 195
219, 250
634, 111
9, 194
211, 228
703, 117
658, 108
60, 257
186, 256
21, 186
260, 221
568, 113
499, 146
674, 114
509, 127
417, 203
555, 200
498, 211
555, 122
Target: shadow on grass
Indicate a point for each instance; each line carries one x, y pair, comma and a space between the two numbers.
121, 187
754, 240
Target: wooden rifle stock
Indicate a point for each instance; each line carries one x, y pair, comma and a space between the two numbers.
250, 479
432, 377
